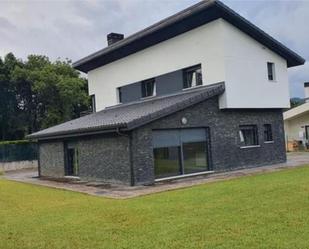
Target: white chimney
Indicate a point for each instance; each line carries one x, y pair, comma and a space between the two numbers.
306, 85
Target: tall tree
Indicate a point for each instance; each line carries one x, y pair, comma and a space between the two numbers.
10, 128
41, 94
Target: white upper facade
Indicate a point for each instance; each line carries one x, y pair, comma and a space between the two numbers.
204, 44
225, 54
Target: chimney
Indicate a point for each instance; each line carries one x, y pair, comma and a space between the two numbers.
306, 85
113, 38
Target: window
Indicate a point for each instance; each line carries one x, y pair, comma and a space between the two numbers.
268, 135
271, 71
192, 77
119, 94
93, 106
148, 88
248, 135
180, 151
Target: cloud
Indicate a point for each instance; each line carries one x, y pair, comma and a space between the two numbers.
75, 28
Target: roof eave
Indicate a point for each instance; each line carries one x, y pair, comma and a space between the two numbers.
293, 59
77, 133
149, 36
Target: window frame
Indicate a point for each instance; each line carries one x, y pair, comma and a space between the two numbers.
185, 72
242, 138
119, 95
93, 103
271, 74
178, 137
268, 138
144, 88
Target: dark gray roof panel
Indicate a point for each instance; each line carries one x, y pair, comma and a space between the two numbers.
188, 19
133, 115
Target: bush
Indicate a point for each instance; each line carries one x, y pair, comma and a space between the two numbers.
17, 142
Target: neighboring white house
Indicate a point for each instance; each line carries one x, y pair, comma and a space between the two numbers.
296, 124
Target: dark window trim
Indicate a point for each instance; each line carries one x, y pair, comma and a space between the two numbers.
144, 91
190, 69
207, 141
268, 137
256, 133
271, 71
93, 103
70, 144
306, 131
119, 94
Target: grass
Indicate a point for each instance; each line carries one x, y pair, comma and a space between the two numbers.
264, 211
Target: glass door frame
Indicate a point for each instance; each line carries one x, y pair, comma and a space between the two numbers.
69, 145
181, 162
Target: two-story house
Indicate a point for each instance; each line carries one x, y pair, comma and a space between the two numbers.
200, 91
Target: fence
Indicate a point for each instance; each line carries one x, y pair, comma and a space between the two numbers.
18, 151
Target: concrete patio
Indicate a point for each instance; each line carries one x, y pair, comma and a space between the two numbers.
123, 192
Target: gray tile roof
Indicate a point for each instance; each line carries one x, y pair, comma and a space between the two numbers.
132, 115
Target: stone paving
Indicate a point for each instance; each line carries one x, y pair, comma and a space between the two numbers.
124, 192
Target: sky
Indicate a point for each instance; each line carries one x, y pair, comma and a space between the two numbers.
75, 28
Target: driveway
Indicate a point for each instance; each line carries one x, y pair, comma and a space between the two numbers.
294, 159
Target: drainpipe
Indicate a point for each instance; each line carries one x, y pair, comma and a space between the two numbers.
132, 183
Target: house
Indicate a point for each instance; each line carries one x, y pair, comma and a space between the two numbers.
200, 91
296, 124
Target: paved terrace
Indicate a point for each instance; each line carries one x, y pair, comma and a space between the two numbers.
123, 192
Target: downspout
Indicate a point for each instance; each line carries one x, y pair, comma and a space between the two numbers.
39, 164
132, 183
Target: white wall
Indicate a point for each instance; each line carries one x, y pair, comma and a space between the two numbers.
202, 45
293, 127
247, 84
226, 54
17, 165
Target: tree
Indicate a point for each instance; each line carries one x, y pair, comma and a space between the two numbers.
41, 94
10, 128
296, 102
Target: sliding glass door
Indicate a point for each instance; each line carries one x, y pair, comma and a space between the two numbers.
167, 161
194, 157
180, 151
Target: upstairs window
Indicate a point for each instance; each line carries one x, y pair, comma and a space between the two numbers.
271, 71
148, 88
268, 135
93, 105
192, 77
248, 135
119, 95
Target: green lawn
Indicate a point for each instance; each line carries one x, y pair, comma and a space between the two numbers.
263, 211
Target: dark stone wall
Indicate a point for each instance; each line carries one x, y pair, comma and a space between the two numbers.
104, 158
226, 153
51, 159
107, 157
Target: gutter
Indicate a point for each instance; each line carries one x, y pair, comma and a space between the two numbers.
79, 134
